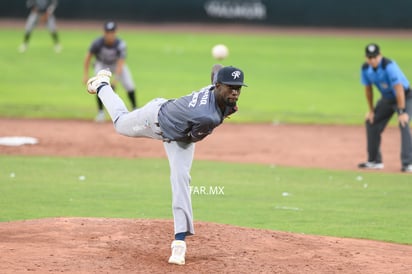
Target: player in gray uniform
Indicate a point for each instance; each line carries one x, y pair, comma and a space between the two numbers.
179, 123
110, 53
42, 10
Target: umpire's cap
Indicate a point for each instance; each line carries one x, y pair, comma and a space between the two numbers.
372, 50
110, 26
230, 76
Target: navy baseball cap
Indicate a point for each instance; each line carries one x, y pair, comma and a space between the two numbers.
110, 26
230, 76
372, 50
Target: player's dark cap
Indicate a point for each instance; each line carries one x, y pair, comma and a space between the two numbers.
372, 50
230, 76
110, 26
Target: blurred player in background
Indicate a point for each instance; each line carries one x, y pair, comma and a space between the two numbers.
110, 53
42, 10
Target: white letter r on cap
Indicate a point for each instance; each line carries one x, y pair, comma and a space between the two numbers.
236, 74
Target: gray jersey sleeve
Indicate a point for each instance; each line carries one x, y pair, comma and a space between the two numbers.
203, 127
122, 49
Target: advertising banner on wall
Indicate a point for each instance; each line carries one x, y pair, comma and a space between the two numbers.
308, 13
243, 9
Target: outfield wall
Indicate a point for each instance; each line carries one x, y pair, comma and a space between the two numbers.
313, 13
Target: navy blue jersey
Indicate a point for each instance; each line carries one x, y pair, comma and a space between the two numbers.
192, 117
108, 54
384, 77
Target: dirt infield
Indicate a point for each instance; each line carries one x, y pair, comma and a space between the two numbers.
80, 245
330, 147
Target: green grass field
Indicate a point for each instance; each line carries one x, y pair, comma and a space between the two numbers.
347, 204
292, 79
298, 79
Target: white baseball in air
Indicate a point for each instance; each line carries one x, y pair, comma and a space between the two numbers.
220, 52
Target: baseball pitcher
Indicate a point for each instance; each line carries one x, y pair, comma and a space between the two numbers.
179, 123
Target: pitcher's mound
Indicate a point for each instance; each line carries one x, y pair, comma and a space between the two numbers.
92, 245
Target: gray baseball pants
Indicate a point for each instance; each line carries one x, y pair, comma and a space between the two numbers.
34, 18
384, 110
143, 122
